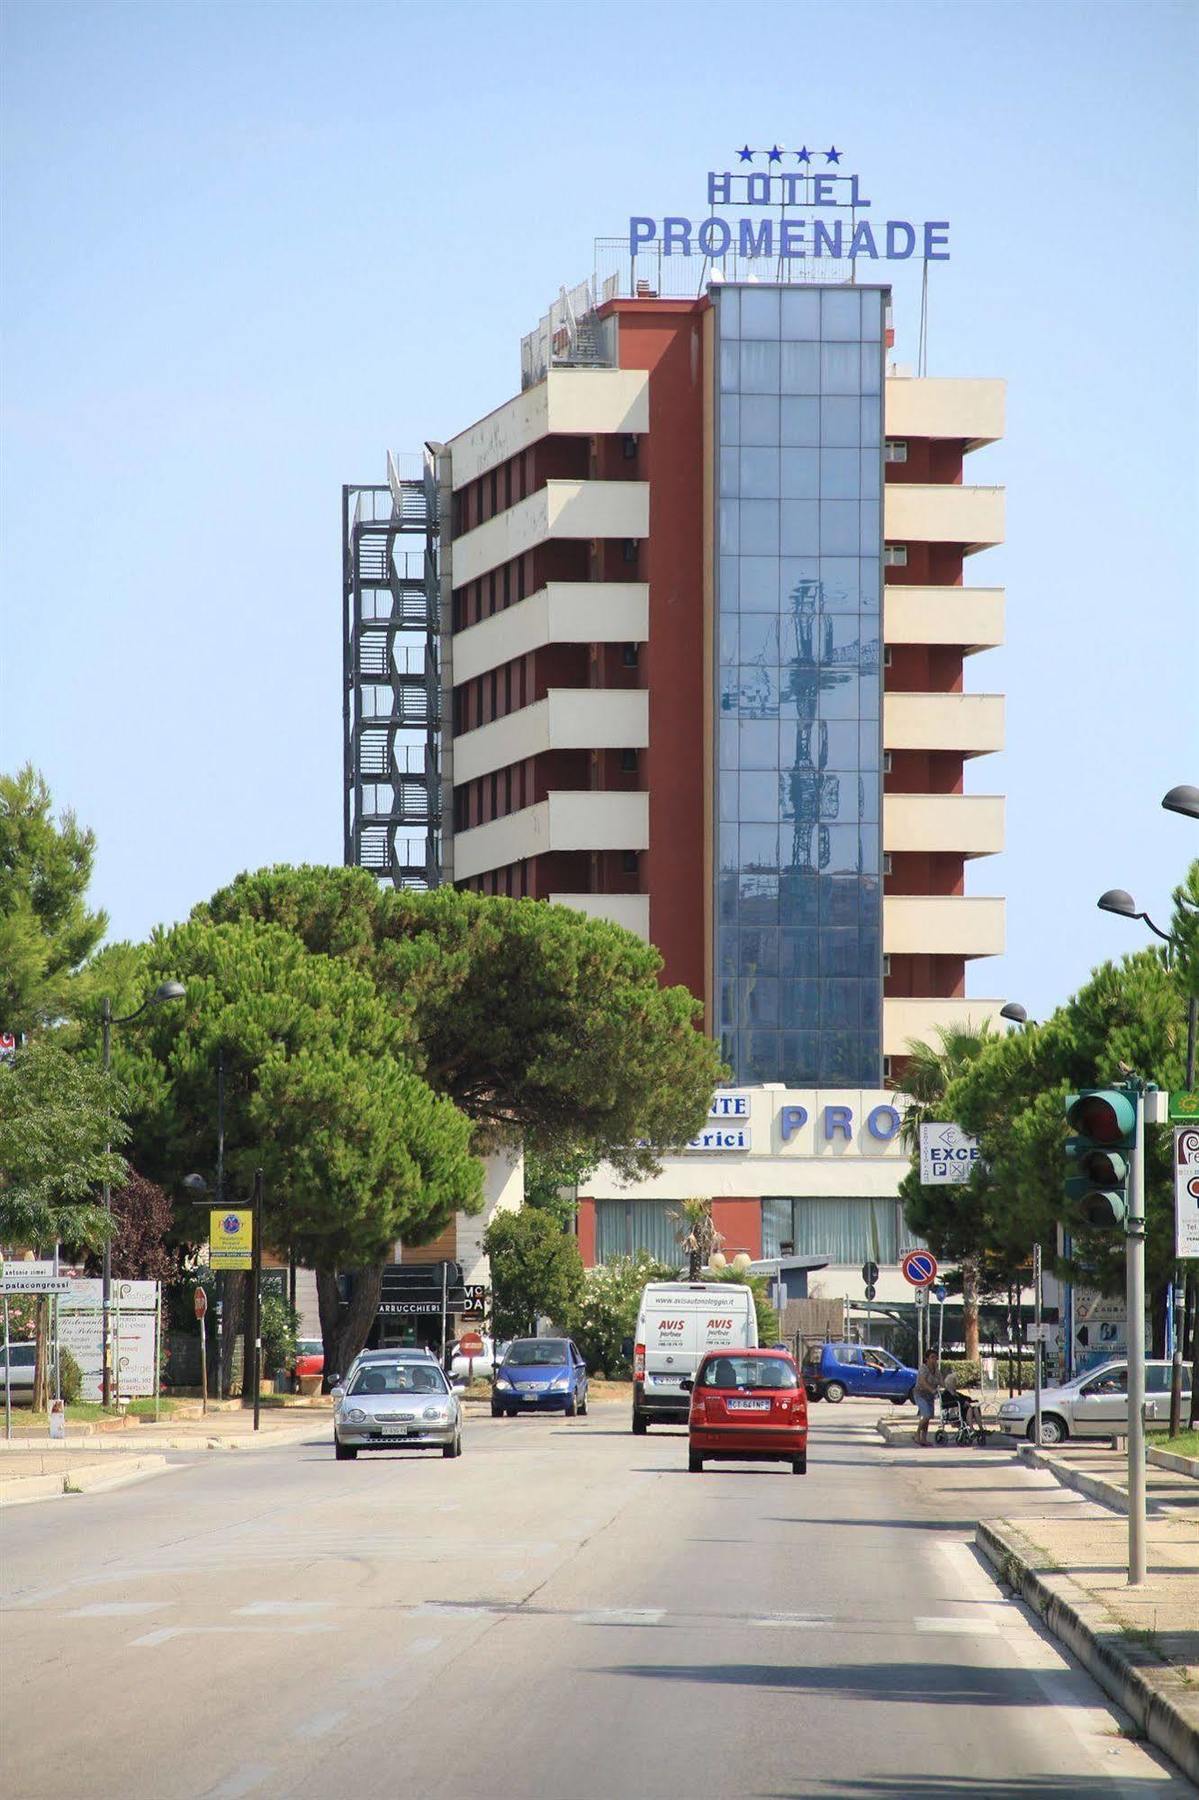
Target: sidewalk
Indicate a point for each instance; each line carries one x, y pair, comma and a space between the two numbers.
1103, 1475
41, 1468
1141, 1644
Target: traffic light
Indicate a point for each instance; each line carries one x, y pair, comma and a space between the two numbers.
1100, 1155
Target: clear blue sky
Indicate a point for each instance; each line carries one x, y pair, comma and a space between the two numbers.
248, 248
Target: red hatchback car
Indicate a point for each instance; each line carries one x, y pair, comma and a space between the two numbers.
748, 1406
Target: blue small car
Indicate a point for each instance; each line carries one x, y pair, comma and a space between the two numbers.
866, 1371
540, 1375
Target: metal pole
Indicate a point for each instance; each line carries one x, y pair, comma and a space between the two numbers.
157, 1343
941, 1329
445, 1282
1178, 1291
1136, 1350
204, 1362
255, 1298
7, 1372
220, 1200
106, 1265
1036, 1300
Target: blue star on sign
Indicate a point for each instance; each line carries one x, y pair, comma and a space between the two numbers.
746, 155
833, 155
804, 155
775, 155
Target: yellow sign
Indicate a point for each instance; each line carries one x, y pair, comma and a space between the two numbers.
230, 1239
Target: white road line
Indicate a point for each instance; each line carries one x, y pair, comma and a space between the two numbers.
281, 1608
638, 1615
320, 1725
241, 1781
788, 1622
165, 1633
959, 1627
118, 1609
423, 1646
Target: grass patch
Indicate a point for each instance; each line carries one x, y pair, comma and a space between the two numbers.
1185, 1444
88, 1412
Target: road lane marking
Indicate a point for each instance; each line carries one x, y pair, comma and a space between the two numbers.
637, 1615
788, 1622
118, 1609
152, 1639
282, 1608
423, 1646
320, 1725
959, 1627
241, 1781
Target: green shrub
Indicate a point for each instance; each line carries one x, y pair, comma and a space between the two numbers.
606, 1313
279, 1324
71, 1377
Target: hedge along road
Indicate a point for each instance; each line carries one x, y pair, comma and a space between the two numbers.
565, 1613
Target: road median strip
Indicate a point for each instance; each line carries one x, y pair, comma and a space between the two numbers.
1160, 1699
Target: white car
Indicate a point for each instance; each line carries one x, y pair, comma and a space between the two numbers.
479, 1367
1094, 1405
21, 1361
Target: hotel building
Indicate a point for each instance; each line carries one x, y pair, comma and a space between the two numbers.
707, 597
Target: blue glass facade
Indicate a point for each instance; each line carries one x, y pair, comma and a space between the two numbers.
798, 908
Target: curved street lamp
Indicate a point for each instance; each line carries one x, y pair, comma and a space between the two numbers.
1183, 799
1015, 1013
163, 993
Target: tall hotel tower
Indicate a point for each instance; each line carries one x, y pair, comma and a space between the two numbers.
705, 618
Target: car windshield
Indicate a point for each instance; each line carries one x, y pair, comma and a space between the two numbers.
398, 1378
748, 1372
538, 1352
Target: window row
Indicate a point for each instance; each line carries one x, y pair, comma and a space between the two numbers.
797, 898
491, 593
803, 796
765, 473
804, 1058
494, 694
801, 695
833, 849
845, 315
799, 585
791, 953
837, 1003
845, 1230
785, 745
806, 638
801, 420
800, 527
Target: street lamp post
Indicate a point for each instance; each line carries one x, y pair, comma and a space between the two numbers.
1120, 902
165, 991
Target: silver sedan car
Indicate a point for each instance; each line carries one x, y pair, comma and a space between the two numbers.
405, 1404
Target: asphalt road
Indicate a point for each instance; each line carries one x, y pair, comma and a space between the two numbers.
562, 1614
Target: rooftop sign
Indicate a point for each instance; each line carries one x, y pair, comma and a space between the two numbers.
817, 219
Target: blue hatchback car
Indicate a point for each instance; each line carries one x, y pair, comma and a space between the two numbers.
540, 1375
833, 1371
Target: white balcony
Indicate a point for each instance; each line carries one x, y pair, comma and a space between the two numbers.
567, 719
629, 910
940, 513
560, 509
562, 612
940, 407
932, 824
942, 925
963, 618
563, 821
969, 723
568, 403
919, 1020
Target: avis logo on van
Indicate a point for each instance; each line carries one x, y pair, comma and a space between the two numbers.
720, 1324
665, 1325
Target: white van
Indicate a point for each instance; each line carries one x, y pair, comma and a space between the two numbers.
676, 1323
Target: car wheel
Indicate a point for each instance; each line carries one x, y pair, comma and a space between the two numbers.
1053, 1429
900, 1399
582, 1409
695, 1462
497, 1412
640, 1424
344, 1452
571, 1407
799, 1465
834, 1392
454, 1449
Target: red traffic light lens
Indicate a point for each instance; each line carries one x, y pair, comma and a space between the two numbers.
1096, 1118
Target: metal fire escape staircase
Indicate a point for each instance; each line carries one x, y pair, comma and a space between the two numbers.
390, 666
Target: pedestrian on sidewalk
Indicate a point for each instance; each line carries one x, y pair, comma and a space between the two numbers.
925, 1395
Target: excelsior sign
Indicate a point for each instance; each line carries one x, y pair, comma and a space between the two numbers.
817, 207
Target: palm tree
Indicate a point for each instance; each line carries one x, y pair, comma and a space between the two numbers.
931, 1068
697, 1234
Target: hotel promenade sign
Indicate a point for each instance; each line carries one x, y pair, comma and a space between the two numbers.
796, 205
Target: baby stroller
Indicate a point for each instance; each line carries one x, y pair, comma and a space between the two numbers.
960, 1416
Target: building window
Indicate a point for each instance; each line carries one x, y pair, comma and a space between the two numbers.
895, 556
628, 656
844, 1230
628, 762
630, 550
896, 450
629, 861
886, 762
886, 966
622, 1227
886, 656
886, 862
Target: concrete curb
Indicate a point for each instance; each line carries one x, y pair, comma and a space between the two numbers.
1093, 1486
1156, 1697
1178, 1465
84, 1478
904, 1437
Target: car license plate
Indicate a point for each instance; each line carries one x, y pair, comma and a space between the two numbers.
748, 1405
528, 1397
396, 1430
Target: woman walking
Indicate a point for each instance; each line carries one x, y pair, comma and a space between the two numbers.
925, 1395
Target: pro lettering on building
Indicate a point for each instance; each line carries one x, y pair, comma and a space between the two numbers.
818, 229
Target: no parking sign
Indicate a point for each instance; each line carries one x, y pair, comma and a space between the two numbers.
919, 1267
